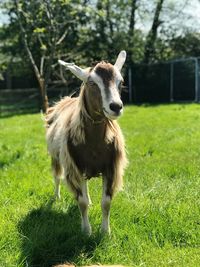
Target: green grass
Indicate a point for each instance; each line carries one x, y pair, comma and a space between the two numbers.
155, 221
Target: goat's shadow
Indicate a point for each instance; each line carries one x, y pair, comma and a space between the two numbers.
51, 237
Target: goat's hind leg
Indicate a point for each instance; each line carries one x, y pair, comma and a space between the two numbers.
56, 169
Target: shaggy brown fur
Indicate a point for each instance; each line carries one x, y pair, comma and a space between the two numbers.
84, 143
83, 147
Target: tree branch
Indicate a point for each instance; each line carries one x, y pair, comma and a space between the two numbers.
131, 29
24, 37
39, 76
42, 65
52, 43
62, 38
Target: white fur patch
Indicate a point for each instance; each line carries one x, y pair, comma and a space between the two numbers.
113, 96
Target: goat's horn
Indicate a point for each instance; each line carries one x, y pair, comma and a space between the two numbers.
66, 64
76, 70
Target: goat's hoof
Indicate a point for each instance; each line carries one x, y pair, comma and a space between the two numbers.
57, 197
87, 230
105, 231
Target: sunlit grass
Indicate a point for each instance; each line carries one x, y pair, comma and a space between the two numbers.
155, 221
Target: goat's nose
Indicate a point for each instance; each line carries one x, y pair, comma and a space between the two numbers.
116, 107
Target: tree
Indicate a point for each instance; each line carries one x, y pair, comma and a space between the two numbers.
43, 27
131, 31
84, 31
186, 46
152, 35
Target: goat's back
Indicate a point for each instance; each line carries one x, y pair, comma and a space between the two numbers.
61, 108
57, 119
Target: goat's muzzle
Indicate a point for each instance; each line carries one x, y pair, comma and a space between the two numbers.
116, 107
115, 110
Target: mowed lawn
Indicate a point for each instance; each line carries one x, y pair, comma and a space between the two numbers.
155, 221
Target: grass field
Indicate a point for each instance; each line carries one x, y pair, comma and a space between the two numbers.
155, 221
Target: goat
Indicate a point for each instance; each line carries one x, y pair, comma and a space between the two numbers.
84, 139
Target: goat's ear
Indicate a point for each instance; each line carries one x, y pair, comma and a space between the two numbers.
82, 74
120, 60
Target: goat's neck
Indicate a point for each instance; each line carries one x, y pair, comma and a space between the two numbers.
93, 107
95, 122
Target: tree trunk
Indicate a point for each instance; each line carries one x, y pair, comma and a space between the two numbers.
101, 23
43, 94
41, 80
152, 35
108, 8
131, 30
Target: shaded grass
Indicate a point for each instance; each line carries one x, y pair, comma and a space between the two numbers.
155, 221
10, 110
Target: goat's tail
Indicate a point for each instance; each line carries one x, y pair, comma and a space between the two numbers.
50, 116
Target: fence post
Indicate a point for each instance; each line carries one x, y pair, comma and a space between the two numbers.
130, 85
171, 81
196, 80
198, 62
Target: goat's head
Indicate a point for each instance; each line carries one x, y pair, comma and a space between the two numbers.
107, 79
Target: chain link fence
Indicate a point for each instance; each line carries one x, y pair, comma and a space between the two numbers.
172, 81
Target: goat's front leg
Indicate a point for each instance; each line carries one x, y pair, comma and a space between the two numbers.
105, 206
83, 203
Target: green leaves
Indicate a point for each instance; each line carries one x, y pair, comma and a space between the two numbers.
39, 30
94, 30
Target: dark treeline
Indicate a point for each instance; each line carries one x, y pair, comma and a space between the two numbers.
39, 32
